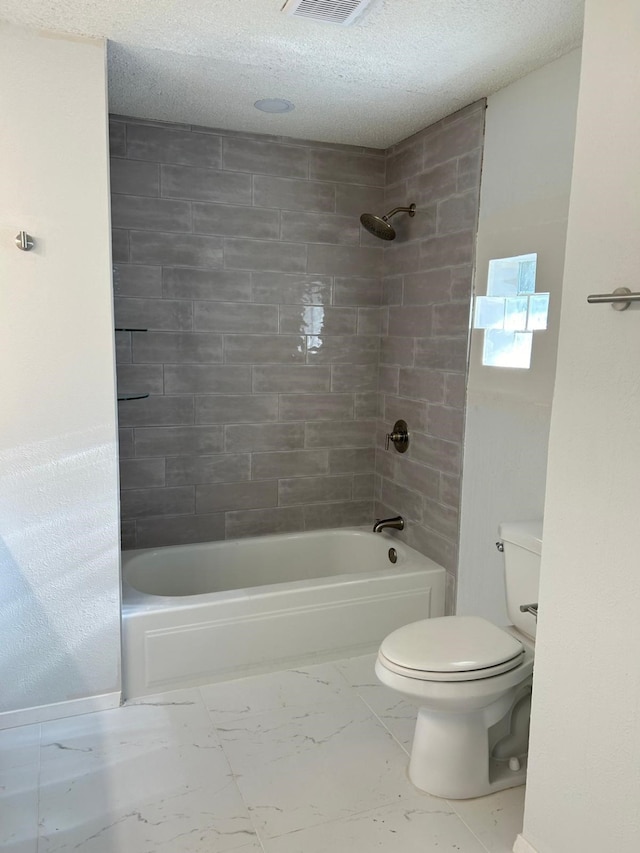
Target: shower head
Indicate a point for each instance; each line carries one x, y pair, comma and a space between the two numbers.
380, 227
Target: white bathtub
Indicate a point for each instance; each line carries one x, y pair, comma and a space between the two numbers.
194, 614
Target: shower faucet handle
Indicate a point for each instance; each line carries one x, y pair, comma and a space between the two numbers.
399, 437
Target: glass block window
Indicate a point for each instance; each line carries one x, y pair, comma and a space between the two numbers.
510, 312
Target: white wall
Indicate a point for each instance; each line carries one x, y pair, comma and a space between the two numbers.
524, 202
583, 790
59, 555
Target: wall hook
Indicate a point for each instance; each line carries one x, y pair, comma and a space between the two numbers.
24, 241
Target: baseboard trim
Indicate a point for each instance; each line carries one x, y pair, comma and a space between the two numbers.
59, 710
522, 846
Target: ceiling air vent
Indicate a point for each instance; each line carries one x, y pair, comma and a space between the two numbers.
342, 12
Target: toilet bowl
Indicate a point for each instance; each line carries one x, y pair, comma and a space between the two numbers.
473, 680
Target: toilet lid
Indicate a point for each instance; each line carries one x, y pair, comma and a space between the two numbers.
452, 644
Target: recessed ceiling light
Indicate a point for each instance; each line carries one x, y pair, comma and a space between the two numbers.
274, 105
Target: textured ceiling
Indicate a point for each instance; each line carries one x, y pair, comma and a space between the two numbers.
403, 65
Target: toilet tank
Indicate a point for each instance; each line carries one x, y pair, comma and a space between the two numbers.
522, 541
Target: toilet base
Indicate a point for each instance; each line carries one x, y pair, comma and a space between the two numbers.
452, 753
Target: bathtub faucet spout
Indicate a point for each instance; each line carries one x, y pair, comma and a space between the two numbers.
397, 523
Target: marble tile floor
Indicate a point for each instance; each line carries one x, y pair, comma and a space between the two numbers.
303, 761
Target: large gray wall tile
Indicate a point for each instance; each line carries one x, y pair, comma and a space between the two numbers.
265, 158
250, 437
437, 453
290, 194
123, 346
137, 280
259, 522
127, 534
344, 260
316, 407
409, 321
291, 289
442, 353
170, 249
142, 503
205, 185
178, 441
179, 530
351, 460
262, 255
340, 434
177, 348
426, 288
156, 411
141, 473
235, 317
206, 379
357, 291
342, 514
447, 250
346, 167
165, 145
354, 377
221, 468
150, 214
140, 378
458, 213
421, 384
289, 463
237, 408
317, 320
232, 496
119, 245
250, 349
291, 377
134, 177
232, 221
161, 314
454, 140
302, 227
337, 349
304, 490
354, 200
117, 138
214, 285
125, 443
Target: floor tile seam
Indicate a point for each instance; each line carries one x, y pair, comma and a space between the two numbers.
452, 803
357, 813
384, 726
334, 665
246, 805
104, 751
318, 707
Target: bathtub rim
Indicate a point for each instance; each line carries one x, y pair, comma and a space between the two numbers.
135, 601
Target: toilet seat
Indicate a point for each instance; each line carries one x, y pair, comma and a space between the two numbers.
451, 648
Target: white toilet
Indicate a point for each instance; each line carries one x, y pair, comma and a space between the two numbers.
474, 683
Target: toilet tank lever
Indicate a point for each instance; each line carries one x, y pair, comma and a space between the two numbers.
530, 608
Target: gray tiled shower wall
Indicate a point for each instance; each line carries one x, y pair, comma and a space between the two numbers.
425, 327
283, 339
244, 259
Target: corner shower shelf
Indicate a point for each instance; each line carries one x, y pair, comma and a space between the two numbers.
123, 397
132, 397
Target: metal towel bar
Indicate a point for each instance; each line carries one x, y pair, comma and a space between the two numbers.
620, 299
